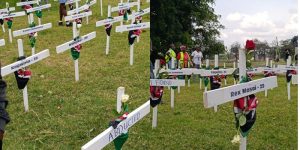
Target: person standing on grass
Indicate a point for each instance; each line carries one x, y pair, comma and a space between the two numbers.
169, 55
4, 116
62, 11
197, 57
184, 58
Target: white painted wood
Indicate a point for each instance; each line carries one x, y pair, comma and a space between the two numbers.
27, 3
80, 9
109, 21
3, 28
2, 42
107, 45
216, 61
226, 94
101, 8
77, 16
63, 47
294, 79
71, 1
33, 9
154, 117
110, 134
133, 27
12, 15
202, 72
25, 62
172, 90
207, 63
32, 30
120, 93
122, 6
216, 65
288, 63
166, 82
139, 13
131, 54
32, 50
5, 10
267, 61
25, 93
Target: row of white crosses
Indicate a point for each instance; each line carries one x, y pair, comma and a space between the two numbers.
163, 82
66, 46
6, 11
6, 70
33, 9
7, 14
231, 93
107, 136
32, 30
82, 8
111, 20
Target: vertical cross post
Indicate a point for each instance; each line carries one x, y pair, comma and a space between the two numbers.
155, 109
120, 93
172, 90
206, 65
242, 73
131, 46
216, 65
108, 37
25, 94
225, 81
288, 64
101, 8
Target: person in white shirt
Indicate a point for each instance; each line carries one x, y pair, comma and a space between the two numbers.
197, 57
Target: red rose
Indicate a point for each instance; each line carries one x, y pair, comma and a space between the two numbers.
250, 45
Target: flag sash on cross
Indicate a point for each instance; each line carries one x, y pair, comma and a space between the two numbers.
110, 134
32, 30
25, 62
230, 93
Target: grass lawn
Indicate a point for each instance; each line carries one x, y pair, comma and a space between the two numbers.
64, 114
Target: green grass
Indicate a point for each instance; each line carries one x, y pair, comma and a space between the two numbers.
65, 115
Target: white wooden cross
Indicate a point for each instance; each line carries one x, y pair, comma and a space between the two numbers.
82, 8
24, 63
38, 8
11, 15
30, 16
110, 134
129, 28
231, 93
63, 47
70, 44
6, 11
125, 6
27, 31
111, 20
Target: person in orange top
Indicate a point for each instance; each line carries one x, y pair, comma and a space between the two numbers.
184, 58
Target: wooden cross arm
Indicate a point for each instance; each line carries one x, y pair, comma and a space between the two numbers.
38, 8
32, 30
2, 42
166, 82
230, 93
133, 27
25, 62
110, 134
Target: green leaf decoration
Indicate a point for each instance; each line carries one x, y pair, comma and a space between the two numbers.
242, 120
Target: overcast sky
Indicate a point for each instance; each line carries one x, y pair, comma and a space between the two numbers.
262, 19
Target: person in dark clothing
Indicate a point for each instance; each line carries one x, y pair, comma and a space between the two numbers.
4, 116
